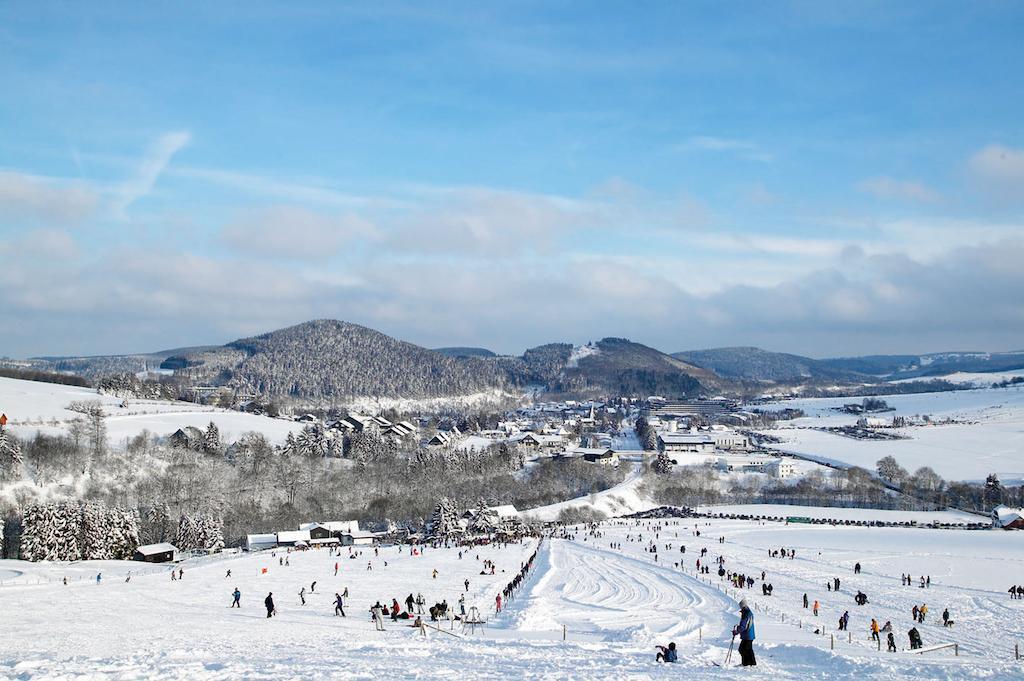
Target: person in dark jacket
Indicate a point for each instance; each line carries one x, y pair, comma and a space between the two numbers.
339, 605
668, 654
269, 602
237, 603
745, 629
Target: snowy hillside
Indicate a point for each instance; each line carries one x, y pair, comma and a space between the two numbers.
987, 435
33, 406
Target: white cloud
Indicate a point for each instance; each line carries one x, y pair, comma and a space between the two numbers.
742, 148
296, 233
156, 159
889, 188
1000, 170
35, 199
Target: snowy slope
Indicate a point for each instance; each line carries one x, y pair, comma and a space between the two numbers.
615, 605
33, 406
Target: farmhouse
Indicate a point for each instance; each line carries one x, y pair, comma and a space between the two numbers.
156, 553
602, 457
1008, 518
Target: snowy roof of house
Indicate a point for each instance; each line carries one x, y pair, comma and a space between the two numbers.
261, 538
344, 526
506, 511
293, 535
685, 438
1005, 514
152, 549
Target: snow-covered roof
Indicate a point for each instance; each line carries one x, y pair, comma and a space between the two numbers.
293, 536
1005, 515
506, 511
343, 526
152, 549
685, 439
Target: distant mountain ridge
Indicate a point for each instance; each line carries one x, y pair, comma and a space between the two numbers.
465, 352
329, 360
755, 364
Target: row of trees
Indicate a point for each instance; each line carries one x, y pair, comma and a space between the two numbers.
78, 531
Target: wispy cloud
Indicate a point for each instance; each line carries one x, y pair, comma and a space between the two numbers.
152, 165
296, 233
884, 187
745, 149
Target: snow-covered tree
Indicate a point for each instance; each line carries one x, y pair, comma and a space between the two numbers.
890, 471
95, 532
485, 519
993, 494
662, 464
200, 532
10, 454
445, 521
211, 440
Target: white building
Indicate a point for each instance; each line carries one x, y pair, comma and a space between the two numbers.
686, 442
781, 467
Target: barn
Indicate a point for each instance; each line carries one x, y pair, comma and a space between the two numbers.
1008, 518
156, 553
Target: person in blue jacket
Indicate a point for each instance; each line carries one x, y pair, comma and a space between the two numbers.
237, 603
745, 629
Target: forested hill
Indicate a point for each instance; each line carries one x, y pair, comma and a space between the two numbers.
755, 364
329, 361
611, 366
332, 360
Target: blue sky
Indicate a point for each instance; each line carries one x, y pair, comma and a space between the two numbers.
822, 178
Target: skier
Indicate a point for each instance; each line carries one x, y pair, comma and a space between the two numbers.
805, 601
227, 575
181, 573
815, 608
237, 603
891, 642
339, 605
409, 603
435, 573
497, 604
335, 569
420, 601
856, 569
745, 629
462, 606
99, 577
174, 576
874, 629
946, 622
467, 584
269, 602
312, 588
302, 595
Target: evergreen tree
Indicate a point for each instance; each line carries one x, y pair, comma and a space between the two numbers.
211, 441
10, 455
445, 521
993, 494
485, 520
662, 464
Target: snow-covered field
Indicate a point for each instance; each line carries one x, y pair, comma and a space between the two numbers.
832, 513
615, 605
34, 406
988, 438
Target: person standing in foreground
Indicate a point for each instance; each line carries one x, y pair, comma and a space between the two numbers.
745, 629
269, 602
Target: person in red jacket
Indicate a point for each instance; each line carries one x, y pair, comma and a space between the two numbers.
497, 604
